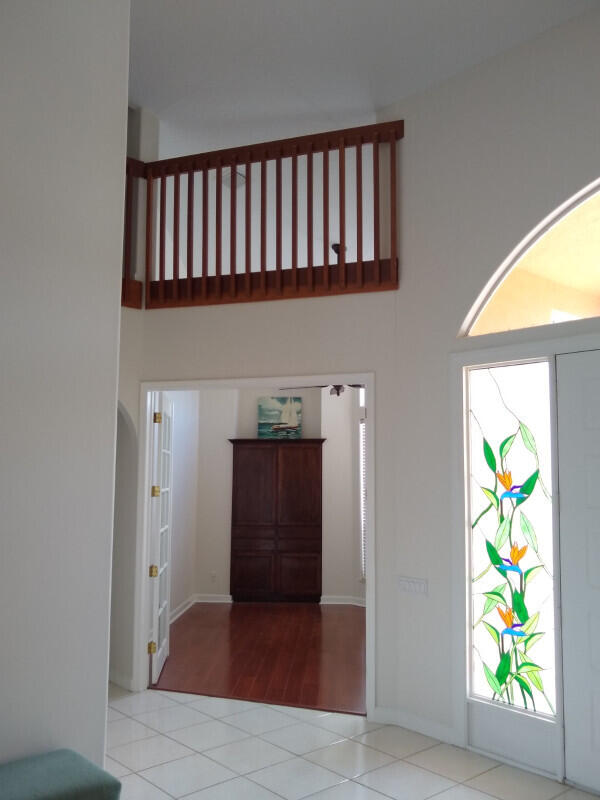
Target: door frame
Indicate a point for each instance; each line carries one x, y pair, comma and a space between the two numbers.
513, 346
142, 603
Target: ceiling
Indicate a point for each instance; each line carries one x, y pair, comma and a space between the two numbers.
225, 70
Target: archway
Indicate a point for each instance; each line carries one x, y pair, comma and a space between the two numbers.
551, 276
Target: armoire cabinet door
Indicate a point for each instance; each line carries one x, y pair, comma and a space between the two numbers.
254, 487
299, 485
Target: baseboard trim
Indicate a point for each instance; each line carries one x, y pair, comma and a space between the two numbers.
393, 716
123, 681
342, 600
198, 598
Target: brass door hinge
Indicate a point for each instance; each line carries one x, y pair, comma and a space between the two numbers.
151, 648
153, 571
157, 417
155, 491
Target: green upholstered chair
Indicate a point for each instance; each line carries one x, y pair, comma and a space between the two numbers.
59, 775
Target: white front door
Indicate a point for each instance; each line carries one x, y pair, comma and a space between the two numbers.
160, 531
578, 378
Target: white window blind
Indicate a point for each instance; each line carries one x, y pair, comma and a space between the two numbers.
362, 457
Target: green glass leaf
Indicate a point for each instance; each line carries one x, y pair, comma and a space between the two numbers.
489, 456
528, 666
492, 680
527, 437
496, 597
492, 553
524, 685
491, 496
530, 574
502, 533
493, 632
528, 486
490, 603
506, 445
503, 668
531, 640
531, 623
528, 532
536, 679
520, 607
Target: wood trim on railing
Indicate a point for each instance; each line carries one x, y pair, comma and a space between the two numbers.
283, 148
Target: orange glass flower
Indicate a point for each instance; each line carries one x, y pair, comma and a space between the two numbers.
505, 479
507, 616
517, 554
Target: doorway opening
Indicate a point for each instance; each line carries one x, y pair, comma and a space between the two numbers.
305, 654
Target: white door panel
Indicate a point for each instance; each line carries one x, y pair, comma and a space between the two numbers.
579, 474
160, 531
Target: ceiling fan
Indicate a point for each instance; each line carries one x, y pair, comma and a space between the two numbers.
334, 388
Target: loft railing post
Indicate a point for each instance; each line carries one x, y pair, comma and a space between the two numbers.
163, 206
205, 232
176, 235
376, 264
342, 213
278, 211
189, 263
393, 220
295, 221
219, 212
233, 229
149, 233
326, 216
359, 221
263, 224
309, 217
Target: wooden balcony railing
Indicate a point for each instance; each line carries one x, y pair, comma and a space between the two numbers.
303, 217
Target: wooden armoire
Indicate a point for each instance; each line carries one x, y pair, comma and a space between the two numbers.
276, 520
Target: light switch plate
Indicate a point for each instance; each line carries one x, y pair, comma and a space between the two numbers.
413, 585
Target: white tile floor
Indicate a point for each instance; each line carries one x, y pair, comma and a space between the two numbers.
165, 745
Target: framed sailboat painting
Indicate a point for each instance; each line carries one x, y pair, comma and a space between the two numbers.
279, 417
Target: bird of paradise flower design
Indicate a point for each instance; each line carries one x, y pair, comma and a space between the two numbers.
517, 565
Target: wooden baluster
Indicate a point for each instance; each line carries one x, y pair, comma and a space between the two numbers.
278, 210
204, 232
263, 225
326, 216
295, 220
393, 220
309, 217
233, 229
149, 235
359, 222
219, 212
248, 224
376, 211
127, 271
176, 235
342, 204
190, 236
161, 255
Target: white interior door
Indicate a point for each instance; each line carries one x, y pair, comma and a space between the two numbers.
578, 376
160, 531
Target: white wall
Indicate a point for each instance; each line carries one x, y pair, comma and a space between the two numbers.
62, 149
486, 156
186, 467
247, 422
122, 604
341, 529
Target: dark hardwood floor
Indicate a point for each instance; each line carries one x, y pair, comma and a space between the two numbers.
297, 654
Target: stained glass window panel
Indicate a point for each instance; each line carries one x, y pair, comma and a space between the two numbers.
512, 648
